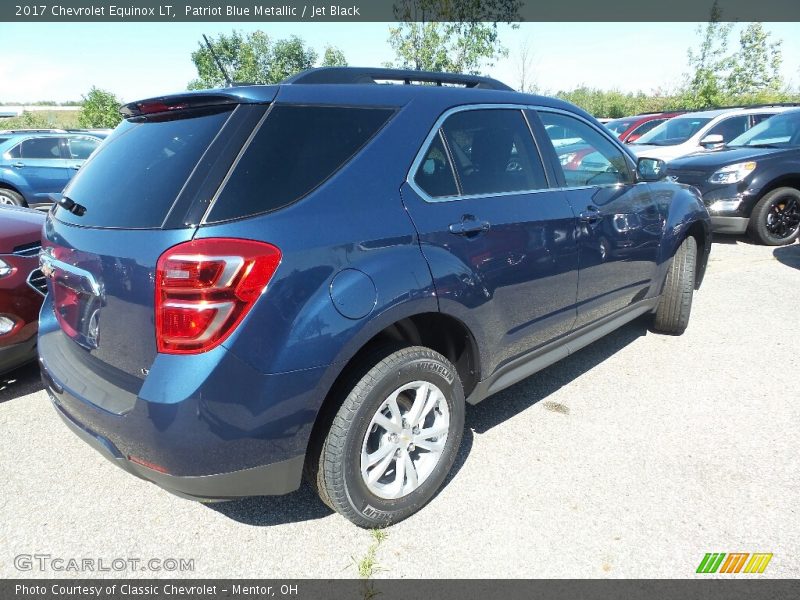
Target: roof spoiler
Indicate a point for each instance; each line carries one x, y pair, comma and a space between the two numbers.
358, 75
166, 104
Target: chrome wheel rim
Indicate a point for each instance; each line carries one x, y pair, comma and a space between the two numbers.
405, 440
5, 199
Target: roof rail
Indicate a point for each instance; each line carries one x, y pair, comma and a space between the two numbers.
7, 131
742, 106
358, 75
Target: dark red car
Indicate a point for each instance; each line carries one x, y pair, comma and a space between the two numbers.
630, 129
22, 285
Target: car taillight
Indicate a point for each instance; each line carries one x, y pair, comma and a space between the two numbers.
204, 288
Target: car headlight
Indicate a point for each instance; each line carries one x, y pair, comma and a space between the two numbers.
733, 173
5, 268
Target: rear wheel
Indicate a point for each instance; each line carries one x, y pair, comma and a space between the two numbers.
675, 305
11, 198
775, 220
394, 439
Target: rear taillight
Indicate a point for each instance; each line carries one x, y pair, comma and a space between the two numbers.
204, 288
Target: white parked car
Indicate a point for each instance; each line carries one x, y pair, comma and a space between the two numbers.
699, 131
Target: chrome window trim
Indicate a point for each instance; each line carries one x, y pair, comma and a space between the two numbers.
521, 107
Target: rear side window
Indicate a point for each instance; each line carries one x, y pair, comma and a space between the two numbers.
47, 147
133, 181
435, 173
79, 148
493, 152
296, 149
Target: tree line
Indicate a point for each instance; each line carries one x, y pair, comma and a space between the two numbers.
433, 35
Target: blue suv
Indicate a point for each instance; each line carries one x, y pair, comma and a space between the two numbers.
251, 283
35, 165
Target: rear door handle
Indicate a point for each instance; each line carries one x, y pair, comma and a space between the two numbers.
590, 215
469, 226
18, 165
76, 167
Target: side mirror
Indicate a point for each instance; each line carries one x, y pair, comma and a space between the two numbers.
713, 139
651, 169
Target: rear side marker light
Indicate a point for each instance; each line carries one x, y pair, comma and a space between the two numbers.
204, 288
147, 463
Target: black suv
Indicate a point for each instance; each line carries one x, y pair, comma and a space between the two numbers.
752, 184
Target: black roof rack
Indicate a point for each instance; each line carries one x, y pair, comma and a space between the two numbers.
358, 75
7, 131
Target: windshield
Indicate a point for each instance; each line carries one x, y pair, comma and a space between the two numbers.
617, 126
780, 130
674, 131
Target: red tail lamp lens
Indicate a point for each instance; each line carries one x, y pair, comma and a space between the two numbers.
204, 288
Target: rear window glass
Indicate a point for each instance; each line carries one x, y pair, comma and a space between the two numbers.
296, 149
135, 178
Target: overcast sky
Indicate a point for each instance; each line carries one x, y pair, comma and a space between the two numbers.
51, 61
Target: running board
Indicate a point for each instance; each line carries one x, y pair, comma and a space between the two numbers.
541, 358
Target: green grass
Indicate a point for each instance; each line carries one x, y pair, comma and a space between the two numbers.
368, 565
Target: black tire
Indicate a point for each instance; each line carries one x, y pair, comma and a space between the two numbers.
337, 472
775, 220
675, 305
10, 197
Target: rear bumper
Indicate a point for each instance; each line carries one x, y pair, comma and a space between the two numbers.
273, 479
730, 225
17, 355
206, 427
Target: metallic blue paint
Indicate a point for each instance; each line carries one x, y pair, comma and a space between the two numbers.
529, 280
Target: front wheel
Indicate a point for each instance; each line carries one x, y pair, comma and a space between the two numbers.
11, 198
394, 439
675, 305
775, 220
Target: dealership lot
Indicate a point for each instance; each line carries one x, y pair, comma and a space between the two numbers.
632, 458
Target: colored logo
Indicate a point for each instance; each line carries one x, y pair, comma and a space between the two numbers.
735, 562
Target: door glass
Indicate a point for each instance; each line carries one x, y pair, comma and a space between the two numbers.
81, 147
730, 128
435, 173
46, 147
493, 151
586, 156
645, 127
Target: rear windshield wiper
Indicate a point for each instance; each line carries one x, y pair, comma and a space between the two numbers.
70, 205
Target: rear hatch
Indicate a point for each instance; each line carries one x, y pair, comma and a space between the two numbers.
142, 193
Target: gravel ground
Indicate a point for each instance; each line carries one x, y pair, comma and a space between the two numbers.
632, 458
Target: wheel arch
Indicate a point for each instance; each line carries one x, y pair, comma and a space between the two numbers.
440, 332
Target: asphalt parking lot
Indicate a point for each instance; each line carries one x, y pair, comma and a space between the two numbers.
632, 458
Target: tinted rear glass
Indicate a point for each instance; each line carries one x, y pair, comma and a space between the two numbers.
133, 181
296, 149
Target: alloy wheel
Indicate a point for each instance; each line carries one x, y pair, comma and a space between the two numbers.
783, 217
405, 440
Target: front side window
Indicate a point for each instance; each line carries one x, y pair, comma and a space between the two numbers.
493, 152
46, 147
730, 128
674, 131
589, 158
781, 130
645, 127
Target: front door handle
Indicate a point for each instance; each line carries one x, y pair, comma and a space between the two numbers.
590, 215
18, 165
76, 167
469, 227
